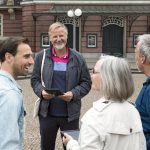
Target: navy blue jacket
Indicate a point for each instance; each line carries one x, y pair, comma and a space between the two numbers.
78, 81
143, 106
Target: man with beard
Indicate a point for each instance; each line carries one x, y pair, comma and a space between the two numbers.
15, 58
142, 58
64, 69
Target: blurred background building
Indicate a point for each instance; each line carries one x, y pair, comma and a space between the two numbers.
109, 26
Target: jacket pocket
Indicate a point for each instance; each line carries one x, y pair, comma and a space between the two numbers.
44, 108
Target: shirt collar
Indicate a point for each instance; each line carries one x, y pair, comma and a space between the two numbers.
8, 75
64, 56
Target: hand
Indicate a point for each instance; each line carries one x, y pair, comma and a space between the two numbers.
67, 96
46, 95
66, 138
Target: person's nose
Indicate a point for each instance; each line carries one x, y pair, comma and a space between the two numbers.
31, 60
58, 38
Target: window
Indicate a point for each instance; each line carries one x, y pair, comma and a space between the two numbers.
135, 36
2, 2
91, 40
44, 40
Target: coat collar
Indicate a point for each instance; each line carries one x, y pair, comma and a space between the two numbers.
9, 76
118, 117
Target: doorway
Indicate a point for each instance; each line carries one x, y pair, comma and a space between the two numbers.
113, 37
70, 36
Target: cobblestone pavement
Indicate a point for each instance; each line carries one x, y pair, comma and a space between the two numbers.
32, 136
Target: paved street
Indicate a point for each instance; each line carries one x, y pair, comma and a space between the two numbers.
32, 136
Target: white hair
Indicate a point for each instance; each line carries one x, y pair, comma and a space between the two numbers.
144, 46
117, 82
56, 25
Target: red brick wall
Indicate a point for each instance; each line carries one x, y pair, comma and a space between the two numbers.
42, 27
92, 26
139, 26
89, 25
33, 29
12, 27
28, 24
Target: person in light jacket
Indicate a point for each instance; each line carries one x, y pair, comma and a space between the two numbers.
15, 59
113, 123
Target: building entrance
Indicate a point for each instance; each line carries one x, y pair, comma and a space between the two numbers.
113, 36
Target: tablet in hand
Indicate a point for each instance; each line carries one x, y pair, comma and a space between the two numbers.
54, 91
73, 133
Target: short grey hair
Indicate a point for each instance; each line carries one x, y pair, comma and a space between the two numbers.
117, 82
144, 46
56, 25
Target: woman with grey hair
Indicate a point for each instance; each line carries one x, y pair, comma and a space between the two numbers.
112, 123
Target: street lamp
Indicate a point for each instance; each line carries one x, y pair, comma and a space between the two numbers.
74, 14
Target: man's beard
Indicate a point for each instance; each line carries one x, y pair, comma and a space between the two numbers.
59, 46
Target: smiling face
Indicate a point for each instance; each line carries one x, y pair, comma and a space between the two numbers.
58, 38
22, 60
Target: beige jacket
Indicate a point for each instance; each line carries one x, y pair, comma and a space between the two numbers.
110, 125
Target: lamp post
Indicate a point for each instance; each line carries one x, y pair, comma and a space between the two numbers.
74, 14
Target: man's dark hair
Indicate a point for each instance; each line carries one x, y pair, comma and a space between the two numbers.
10, 45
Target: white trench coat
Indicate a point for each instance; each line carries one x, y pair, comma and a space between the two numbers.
110, 125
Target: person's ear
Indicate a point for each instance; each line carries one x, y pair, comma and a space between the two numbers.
143, 58
8, 57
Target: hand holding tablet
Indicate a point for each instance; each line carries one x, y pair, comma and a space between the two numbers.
54, 91
73, 133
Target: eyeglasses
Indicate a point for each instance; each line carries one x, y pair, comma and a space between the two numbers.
94, 72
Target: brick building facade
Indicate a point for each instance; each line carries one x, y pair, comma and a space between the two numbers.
108, 26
